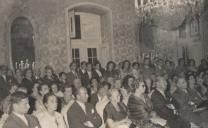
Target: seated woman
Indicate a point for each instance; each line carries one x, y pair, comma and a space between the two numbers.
127, 87
94, 85
33, 97
117, 84
140, 109
115, 112
192, 66
39, 106
110, 70
50, 76
136, 71
56, 91
50, 118
125, 69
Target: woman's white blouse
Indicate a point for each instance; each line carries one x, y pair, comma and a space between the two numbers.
51, 121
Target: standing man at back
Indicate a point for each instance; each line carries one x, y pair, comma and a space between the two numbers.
72, 74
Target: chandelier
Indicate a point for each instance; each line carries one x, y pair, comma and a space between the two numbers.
168, 14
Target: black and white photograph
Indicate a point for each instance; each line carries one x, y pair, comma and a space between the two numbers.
103, 63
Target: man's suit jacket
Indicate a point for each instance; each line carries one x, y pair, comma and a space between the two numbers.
77, 117
86, 80
81, 74
4, 89
94, 99
71, 77
186, 110
95, 75
160, 105
28, 84
138, 109
15, 122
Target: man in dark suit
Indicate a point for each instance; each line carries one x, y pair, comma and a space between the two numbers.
82, 71
87, 76
187, 102
4, 87
62, 79
72, 74
98, 71
18, 117
166, 106
82, 114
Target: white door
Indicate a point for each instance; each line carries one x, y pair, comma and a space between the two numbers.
87, 46
89, 54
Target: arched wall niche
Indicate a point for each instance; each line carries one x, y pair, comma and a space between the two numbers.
21, 41
8, 40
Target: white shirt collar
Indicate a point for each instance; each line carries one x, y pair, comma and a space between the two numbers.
99, 73
99, 98
83, 71
90, 74
162, 93
4, 76
82, 105
73, 72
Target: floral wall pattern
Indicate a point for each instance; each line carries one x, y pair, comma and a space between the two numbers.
49, 21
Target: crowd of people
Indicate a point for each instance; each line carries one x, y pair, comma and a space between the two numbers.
152, 94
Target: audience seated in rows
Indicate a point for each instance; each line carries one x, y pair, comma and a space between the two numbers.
152, 94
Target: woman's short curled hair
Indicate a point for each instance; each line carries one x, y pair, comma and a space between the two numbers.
137, 84
129, 64
46, 97
136, 63
41, 85
48, 67
125, 82
110, 62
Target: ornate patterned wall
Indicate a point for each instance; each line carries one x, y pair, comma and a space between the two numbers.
49, 22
